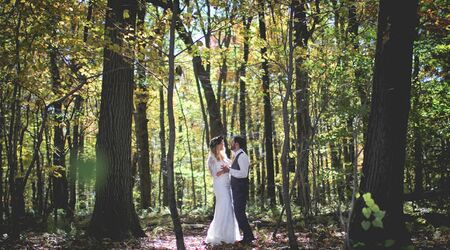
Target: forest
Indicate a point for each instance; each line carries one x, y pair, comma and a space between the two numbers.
108, 108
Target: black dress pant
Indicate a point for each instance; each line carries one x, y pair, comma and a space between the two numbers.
240, 195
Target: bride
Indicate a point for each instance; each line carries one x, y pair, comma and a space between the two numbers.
224, 227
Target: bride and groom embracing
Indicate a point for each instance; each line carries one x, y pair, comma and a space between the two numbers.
231, 187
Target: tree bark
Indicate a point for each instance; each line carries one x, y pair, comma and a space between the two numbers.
162, 138
74, 154
302, 104
242, 71
141, 121
286, 145
268, 130
114, 214
2, 126
59, 177
170, 114
384, 154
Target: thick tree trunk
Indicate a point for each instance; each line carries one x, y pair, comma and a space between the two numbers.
141, 121
302, 105
60, 185
170, 154
143, 153
14, 124
268, 130
384, 154
114, 214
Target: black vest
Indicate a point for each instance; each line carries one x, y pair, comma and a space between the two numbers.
238, 181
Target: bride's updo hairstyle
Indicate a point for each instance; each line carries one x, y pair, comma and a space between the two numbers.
214, 149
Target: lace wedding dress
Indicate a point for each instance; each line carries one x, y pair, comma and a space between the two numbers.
224, 227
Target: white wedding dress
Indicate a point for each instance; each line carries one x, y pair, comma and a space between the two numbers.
224, 227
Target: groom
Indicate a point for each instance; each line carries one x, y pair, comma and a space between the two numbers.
239, 186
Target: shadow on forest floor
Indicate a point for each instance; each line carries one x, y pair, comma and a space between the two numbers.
321, 233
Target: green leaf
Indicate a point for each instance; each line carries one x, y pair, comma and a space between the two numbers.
389, 243
367, 196
377, 223
365, 224
380, 214
366, 212
357, 195
375, 208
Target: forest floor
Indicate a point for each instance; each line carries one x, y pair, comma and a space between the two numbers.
322, 232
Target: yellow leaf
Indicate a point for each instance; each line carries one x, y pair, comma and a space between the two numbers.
126, 14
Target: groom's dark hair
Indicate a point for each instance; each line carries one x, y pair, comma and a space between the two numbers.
241, 140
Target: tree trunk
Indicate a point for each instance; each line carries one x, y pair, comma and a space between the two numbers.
204, 169
60, 185
242, 71
302, 104
143, 151
40, 179
336, 166
141, 121
2, 126
14, 124
349, 158
202, 107
74, 153
286, 145
268, 130
162, 138
170, 159
384, 154
114, 214
188, 140
203, 74
252, 154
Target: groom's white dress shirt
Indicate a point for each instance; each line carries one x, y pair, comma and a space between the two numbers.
244, 164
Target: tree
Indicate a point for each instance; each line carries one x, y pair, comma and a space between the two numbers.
268, 130
141, 120
170, 154
59, 179
162, 138
302, 35
241, 76
286, 144
378, 214
114, 215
